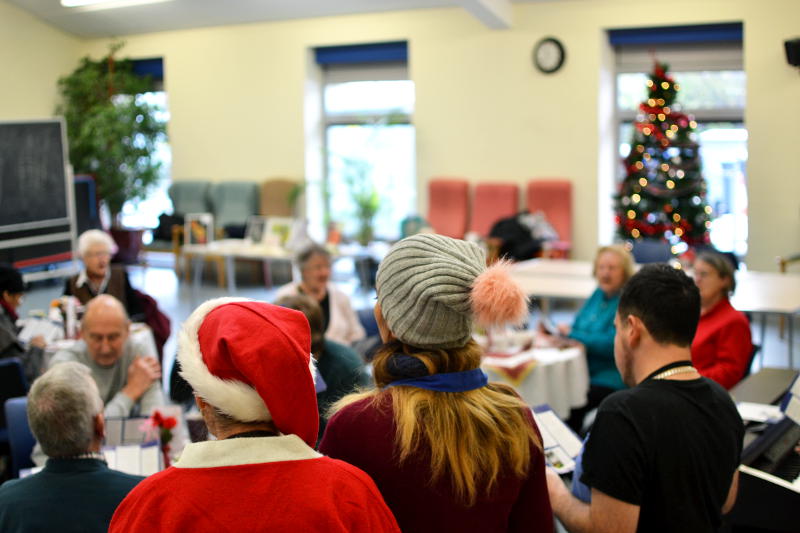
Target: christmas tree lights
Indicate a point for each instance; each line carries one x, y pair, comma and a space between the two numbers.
663, 194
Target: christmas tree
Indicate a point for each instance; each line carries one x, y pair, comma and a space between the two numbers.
663, 194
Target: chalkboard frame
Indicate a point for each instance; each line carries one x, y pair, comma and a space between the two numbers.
45, 240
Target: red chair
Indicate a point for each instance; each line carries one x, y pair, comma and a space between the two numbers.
490, 203
553, 197
448, 206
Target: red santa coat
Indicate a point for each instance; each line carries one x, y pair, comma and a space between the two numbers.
255, 484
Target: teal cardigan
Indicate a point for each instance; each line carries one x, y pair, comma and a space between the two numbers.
594, 327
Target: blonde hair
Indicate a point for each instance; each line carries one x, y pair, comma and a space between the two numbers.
622, 252
473, 436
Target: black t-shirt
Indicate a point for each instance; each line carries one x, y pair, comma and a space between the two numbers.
669, 446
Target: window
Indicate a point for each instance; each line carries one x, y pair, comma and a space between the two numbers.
369, 146
712, 83
145, 214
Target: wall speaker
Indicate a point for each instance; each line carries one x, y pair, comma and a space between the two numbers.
793, 51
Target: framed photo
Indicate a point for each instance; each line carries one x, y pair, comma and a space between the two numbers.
198, 228
256, 229
279, 229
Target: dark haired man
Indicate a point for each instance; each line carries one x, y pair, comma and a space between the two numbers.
662, 455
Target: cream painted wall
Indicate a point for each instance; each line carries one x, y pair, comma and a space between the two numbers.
33, 55
483, 112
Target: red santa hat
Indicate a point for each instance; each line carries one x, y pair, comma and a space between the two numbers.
252, 361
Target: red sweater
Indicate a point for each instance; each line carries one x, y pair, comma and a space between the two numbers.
722, 347
363, 435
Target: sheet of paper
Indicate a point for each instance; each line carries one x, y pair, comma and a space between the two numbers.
795, 389
25, 472
793, 409
558, 459
560, 432
39, 326
129, 459
150, 457
759, 412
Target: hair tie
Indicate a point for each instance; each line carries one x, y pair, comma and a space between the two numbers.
402, 366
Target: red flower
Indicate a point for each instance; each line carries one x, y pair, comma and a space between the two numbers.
169, 422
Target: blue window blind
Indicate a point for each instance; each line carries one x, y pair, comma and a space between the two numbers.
362, 53
701, 33
149, 67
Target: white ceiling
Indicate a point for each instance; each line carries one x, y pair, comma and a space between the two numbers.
181, 14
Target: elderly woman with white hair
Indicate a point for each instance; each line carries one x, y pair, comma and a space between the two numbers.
99, 276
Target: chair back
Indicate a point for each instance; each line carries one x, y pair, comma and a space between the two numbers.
233, 202
190, 196
367, 318
448, 206
651, 251
276, 197
553, 197
12, 384
20, 438
492, 202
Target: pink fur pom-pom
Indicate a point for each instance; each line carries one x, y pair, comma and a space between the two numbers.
498, 299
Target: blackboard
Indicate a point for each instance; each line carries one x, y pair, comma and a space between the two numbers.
33, 187
36, 211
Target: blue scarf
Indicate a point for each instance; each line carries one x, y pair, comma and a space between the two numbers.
450, 382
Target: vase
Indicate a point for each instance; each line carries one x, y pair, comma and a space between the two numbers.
129, 244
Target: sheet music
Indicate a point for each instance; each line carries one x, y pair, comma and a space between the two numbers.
561, 445
759, 412
34, 327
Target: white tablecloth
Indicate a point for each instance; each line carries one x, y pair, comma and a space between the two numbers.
560, 377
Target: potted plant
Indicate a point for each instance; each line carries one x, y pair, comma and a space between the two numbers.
364, 195
112, 131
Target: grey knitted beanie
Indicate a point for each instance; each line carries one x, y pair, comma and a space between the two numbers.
428, 293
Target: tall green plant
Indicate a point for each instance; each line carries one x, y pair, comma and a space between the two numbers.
112, 132
364, 195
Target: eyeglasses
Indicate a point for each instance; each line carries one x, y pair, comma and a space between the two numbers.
103, 253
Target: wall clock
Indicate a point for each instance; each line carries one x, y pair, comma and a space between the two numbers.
549, 55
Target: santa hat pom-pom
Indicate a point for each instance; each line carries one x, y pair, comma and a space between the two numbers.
498, 299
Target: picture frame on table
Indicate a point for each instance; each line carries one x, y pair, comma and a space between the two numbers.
256, 230
198, 228
279, 230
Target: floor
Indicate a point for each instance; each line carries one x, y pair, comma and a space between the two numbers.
178, 298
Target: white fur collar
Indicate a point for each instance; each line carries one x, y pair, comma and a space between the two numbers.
245, 451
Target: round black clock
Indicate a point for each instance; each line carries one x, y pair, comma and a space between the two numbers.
549, 55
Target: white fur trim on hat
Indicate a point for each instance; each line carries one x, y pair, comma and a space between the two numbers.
234, 398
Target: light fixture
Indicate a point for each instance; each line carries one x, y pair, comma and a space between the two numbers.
93, 5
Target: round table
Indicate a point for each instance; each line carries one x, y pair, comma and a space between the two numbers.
543, 374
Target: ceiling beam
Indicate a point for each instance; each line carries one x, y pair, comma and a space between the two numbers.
495, 14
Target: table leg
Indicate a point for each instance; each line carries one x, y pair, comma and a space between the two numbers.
230, 268
198, 262
790, 320
763, 339
267, 273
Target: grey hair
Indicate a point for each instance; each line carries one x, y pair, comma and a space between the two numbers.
62, 405
310, 251
720, 263
95, 237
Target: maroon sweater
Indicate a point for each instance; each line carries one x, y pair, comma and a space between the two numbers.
363, 435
